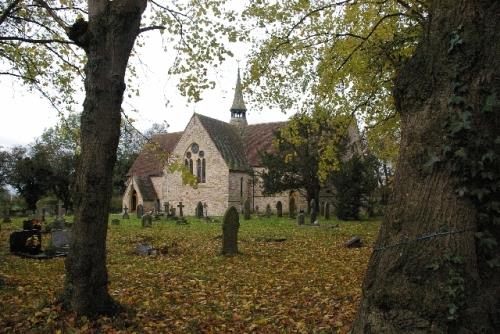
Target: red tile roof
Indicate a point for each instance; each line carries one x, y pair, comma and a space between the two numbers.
147, 164
258, 138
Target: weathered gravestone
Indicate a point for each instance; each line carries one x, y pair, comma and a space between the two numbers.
140, 211
300, 218
60, 240
230, 227
125, 213
246, 209
172, 212
29, 242
199, 210
292, 208
181, 220
147, 220
115, 222
327, 210
279, 209
355, 242
205, 208
269, 212
314, 214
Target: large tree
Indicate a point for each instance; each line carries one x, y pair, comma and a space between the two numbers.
40, 38
435, 265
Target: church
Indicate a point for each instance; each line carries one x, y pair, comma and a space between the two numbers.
224, 158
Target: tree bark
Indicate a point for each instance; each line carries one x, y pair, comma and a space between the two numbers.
108, 39
439, 283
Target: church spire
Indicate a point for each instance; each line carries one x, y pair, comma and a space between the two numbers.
238, 109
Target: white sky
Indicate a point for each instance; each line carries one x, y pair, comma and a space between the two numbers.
25, 114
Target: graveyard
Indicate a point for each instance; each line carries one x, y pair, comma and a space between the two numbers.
171, 277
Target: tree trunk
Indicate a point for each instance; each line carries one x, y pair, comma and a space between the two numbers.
428, 272
108, 40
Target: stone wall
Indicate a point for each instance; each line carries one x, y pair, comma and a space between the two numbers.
239, 189
127, 197
214, 190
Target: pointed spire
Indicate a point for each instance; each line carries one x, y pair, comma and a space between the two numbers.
238, 103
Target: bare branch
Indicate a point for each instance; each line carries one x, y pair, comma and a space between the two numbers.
18, 76
34, 41
53, 14
8, 10
151, 28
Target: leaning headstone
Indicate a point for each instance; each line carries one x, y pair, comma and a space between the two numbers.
115, 222
140, 211
29, 242
125, 213
246, 209
300, 218
314, 214
292, 208
199, 210
279, 209
147, 220
230, 227
327, 210
60, 240
355, 242
269, 212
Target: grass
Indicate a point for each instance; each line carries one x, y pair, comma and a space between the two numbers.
309, 283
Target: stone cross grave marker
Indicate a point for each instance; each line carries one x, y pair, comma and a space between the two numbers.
279, 209
269, 212
199, 210
300, 218
230, 227
246, 209
327, 210
314, 214
125, 213
147, 220
180, 206
291, 208
140, 211
60, 239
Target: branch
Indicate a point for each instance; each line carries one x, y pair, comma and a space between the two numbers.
34, 41
18, 76
8, 10
53, 14
141, 30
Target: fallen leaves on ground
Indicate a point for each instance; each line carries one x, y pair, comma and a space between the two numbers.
308, 283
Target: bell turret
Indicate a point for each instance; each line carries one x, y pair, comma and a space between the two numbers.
238, 109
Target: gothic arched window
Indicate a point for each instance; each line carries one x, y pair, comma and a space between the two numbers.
193, 153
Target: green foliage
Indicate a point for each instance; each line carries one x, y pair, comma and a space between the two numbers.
354, 182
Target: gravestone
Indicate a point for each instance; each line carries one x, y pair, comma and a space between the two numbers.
165, 207
181, 220
205, 208
172, 212
327, 210
314, 214
355, 242
199, 210
279, 209
269, 212
180, 206
147, 220
125, 213
321, 209
230, 227
60, 240
292, 208
29, 242
144, 249
140, 211
246, 210
300, 218
115, 222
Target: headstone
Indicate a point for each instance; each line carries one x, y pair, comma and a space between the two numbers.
165, 207
355, 242
300, 218
246, 209
147, 220
314, 214
140, 211
269, 212
327, 210
172, 212
180, 206
125, 213
29, 242
144, 249
292, 208
205, 208
322, 209
199, 210
230, 227
279, 209
115, 222
60, 239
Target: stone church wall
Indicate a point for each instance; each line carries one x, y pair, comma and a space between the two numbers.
126, 201
214, 190
238, 189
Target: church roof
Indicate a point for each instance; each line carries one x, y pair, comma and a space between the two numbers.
238, 103
259, 138
146, 188
147, 164
228, 141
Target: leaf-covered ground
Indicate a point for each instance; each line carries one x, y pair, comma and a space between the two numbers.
309, 283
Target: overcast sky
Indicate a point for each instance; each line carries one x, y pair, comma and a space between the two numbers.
25, 114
